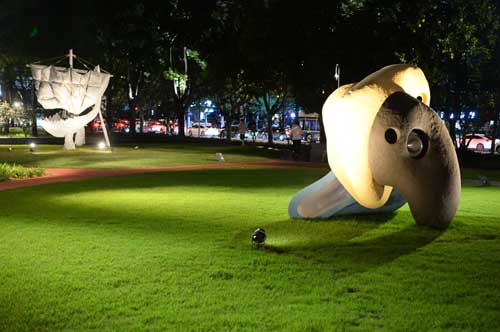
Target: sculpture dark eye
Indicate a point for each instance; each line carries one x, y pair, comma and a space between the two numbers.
391, 136
417, 144
419, 98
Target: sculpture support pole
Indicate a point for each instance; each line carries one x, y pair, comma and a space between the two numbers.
103, 126
98, 104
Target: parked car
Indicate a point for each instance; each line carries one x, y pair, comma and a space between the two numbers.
156, 127
277, 135
120, 125
95, 126
235, 132
476, 142
497, 145
202, 130
311, 136
283, 135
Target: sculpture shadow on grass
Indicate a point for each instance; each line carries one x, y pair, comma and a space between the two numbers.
351, 244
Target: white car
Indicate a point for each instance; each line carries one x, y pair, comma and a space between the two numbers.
203, 131
476, 142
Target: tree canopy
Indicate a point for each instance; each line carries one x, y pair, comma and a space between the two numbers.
242, 52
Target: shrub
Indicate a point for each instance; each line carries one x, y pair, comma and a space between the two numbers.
13, 171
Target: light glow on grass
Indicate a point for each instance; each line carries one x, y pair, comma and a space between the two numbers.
172, 251
149, 155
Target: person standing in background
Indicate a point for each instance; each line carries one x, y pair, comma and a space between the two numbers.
242, 129
296, 134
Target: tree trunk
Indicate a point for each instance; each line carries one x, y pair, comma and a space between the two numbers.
141, 120
322, 134
229, 131
34, 129
269, 126
269, 117
108, 116
494, 134
452, 132
131, 119
180, 113
282, 121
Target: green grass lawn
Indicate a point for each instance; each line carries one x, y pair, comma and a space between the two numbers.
171, 252
470, 173
147, 155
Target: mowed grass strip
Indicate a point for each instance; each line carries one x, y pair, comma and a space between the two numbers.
145, 155
172, 252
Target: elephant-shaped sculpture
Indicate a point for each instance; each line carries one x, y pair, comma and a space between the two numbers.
399, 151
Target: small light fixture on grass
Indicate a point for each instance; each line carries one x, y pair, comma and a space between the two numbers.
259, 236
136, 147
101, 145
10, 149
485, 182
32, 147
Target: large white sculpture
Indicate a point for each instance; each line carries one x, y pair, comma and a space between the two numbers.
75, 91
350, 111
398, 150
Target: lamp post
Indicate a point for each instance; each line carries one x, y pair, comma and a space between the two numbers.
337, 74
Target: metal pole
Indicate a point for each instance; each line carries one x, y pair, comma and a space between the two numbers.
104, 130
337, 74
199, 121
103, 126
71, 58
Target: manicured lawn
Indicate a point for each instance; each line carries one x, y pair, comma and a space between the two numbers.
471, 173
147, 155
171, 252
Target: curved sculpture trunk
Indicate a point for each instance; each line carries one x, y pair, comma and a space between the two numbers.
327, 198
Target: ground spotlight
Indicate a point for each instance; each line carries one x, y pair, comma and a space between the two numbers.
10, 149
259, 236
101, 145
32, 147
484, 181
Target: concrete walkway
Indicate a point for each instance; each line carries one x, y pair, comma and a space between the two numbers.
57, 175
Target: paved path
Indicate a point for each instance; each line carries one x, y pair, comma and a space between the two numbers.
56, 175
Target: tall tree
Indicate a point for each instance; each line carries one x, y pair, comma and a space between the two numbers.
127, 36
452, 41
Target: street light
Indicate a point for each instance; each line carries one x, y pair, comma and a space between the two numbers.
337, 74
